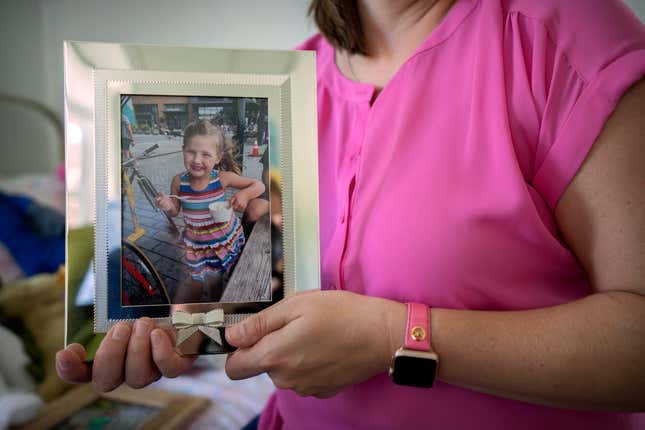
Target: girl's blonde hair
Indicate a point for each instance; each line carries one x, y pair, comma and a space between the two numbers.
223, 145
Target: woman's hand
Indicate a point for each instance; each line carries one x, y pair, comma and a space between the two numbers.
239, 201
318, 343
138, 354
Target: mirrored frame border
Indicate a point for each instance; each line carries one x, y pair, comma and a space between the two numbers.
96, 74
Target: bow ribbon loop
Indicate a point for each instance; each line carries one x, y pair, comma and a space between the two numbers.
208, 323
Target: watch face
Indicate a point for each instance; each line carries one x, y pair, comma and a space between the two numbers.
413, 370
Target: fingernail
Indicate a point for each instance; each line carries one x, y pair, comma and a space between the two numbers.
121, 332
155, 338
62, 363
141, 328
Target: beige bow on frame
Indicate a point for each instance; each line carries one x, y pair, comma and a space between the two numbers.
209, 323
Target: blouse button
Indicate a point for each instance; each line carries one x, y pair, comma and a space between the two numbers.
342, 219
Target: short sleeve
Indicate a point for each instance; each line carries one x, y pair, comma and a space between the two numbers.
577, 59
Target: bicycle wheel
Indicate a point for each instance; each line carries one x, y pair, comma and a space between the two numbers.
140, 281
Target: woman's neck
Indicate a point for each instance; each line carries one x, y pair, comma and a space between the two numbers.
392, 27
392, 30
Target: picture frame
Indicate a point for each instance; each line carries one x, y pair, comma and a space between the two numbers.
197, 273
125, 407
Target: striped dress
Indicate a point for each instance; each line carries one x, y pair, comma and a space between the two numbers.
212, 248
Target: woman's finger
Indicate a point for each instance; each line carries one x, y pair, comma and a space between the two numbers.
169, 363
252, 329
140, 369
70, 366
110, 358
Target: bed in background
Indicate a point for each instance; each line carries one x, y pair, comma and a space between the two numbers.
32, 191
32, 251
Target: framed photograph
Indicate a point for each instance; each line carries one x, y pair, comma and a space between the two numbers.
204, 169
182, 151
124, 408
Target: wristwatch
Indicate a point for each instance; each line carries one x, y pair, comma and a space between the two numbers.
415, 364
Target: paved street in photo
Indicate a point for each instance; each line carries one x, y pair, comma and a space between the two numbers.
160, 243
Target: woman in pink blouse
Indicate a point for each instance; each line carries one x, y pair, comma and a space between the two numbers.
483, 158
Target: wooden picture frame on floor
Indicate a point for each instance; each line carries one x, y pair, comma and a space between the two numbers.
144, 409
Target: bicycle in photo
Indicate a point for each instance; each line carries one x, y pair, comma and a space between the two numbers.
141, 284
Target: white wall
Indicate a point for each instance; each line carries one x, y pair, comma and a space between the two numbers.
21, 49
228, 24
638, 6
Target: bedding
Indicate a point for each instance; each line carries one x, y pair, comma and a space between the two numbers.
32, 231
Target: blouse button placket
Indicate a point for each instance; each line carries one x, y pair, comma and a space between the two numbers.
350, 187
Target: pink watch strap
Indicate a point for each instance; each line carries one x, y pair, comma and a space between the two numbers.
417, 330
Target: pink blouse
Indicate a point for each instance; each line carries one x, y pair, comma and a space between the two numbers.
443, 190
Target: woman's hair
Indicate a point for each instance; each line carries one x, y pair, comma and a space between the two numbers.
339, 22
224, 146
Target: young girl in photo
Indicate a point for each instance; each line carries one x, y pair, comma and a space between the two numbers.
212, 247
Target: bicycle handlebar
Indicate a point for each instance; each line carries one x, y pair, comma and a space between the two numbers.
149, 150
130, 161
